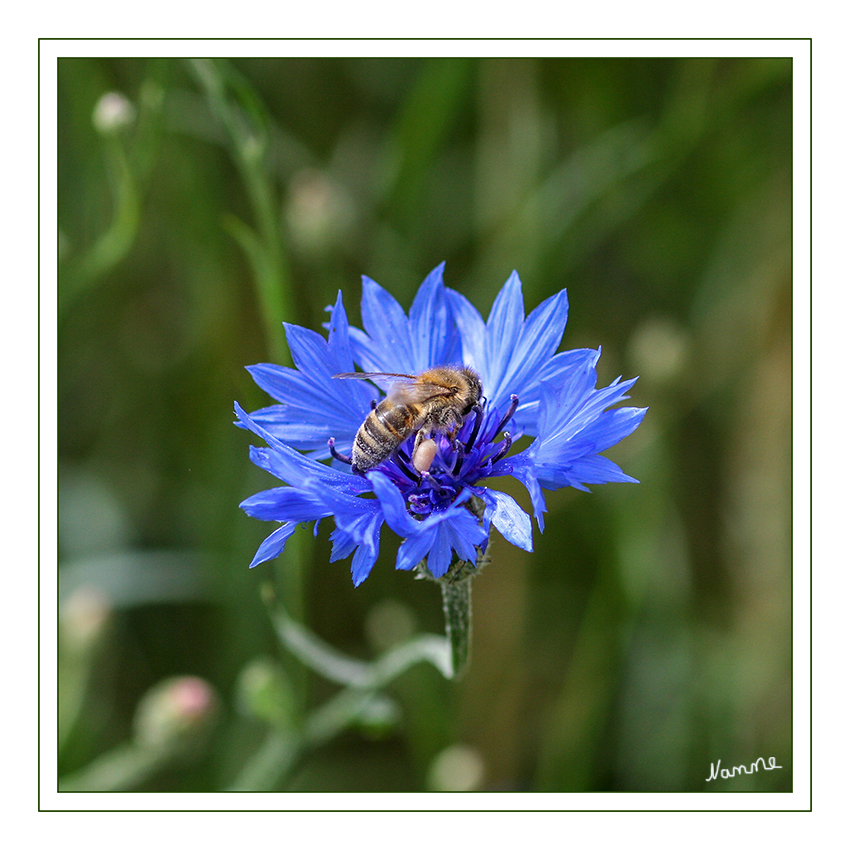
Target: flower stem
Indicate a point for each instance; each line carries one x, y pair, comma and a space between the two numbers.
457, 606
246, 122
121, 769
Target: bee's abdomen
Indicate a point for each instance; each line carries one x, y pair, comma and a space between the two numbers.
385, 428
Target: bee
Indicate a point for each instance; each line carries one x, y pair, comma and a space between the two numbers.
434, 402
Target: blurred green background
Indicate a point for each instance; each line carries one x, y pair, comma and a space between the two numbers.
648, 635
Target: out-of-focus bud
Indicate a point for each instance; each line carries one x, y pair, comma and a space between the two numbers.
380, 717
389, 623
177, 713
83, 619
112, 112
265, 692
659, 349
320, 212
456, 768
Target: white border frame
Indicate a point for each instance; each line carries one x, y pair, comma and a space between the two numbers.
799, 799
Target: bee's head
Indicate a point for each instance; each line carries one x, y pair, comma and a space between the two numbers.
473, 391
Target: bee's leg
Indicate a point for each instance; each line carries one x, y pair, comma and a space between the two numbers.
422, 435
449, 425
423, 456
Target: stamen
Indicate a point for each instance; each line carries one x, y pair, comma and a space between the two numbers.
511, 411
461, 454
336, 454
479, 415
402, 462
503, 448
419, 503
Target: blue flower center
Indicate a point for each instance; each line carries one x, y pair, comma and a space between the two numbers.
458, 464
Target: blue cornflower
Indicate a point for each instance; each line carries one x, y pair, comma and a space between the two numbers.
574, 425
528, 390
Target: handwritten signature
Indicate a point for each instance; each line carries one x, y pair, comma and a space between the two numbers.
717, 772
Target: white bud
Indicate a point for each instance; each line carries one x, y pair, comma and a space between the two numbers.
320, 211
112, 112
83, 618
457, 768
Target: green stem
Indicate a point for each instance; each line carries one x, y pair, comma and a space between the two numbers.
121, 769
279, 754
243, 116
116, 241
275, 759
457, 606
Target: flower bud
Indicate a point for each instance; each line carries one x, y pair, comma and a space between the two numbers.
320, 212
83, 619
456, 768
380, 717
389, 623
265, 692
175, 713
113, 112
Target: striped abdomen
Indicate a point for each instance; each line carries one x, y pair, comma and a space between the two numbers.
384, 430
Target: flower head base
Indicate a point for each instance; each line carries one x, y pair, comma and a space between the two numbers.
429, 486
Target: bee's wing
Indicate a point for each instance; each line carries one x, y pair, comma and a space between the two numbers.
405, 393
386, 380
371, 376
401, 389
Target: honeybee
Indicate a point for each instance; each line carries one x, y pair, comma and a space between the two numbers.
434, 402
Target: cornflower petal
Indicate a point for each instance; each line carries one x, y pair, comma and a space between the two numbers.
435, 336
595, 469
273, 545
540, 337
531, 347
395, 512
308, 414
575, 427
613, 425
512, 522
363, 560
440, 553
296, 505
504, 325
394, 343
460, 533
358, 529
464, 535
437, 534
512, 353
414, 550
472, 329
386, 345
293, 467
523, 468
